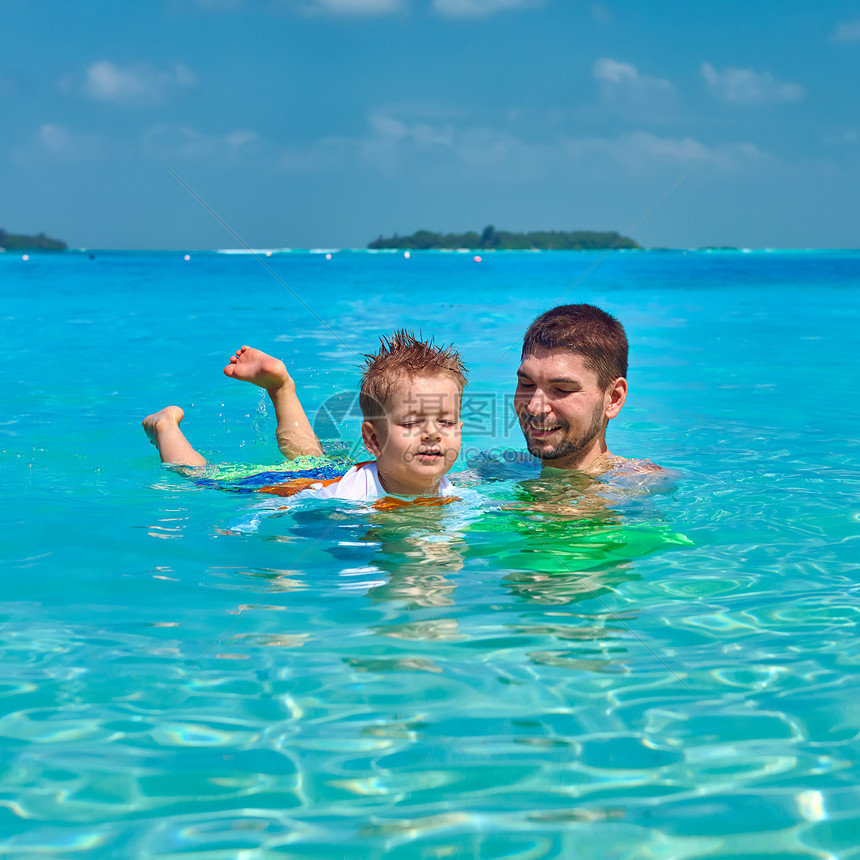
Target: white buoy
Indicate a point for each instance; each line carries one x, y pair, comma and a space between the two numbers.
25, 257
187, 257
477, 259
407, 254
328, 256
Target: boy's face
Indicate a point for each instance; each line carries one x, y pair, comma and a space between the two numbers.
419, 439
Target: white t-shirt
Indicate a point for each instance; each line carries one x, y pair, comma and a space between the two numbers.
361, 483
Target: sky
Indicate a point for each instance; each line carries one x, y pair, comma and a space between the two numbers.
184, 124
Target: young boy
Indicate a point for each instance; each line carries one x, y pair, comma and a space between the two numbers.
410, 398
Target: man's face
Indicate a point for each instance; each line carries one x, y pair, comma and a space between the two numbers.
562, 409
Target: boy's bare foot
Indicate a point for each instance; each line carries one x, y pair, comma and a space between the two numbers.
257, 367
170, 416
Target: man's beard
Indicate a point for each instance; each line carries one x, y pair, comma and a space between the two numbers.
569, 447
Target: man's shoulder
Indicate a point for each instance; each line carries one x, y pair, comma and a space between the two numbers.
520, 466
636, 465
639, 472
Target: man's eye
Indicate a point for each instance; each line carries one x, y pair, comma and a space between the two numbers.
524, 384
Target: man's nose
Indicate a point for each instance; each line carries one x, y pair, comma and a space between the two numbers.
537, 404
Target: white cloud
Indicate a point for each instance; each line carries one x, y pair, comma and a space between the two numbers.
356, 8
641, 150
170, 141
613, 72
420, 132
622, 82
479, 8
394, 146
393, 141
58, 143
53, 138
137, 84
847, 31
748, 87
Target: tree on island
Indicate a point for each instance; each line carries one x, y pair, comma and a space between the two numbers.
491, 239
13, 242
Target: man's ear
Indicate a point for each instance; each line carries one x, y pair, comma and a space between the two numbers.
616, 394
371, 438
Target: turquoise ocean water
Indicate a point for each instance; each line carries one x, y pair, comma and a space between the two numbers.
549, 668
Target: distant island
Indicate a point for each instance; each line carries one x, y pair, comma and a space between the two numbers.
13, 242
501, 240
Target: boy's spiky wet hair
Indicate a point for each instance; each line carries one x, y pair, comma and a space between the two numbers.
402, 355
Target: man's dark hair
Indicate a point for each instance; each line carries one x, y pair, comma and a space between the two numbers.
592, 333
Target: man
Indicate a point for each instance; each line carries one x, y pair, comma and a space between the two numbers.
571, 382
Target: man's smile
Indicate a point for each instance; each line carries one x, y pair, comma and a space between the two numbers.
541, 431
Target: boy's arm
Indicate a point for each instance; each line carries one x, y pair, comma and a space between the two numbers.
294, 432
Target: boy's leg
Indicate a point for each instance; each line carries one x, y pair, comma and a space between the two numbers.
163, 431
294, 432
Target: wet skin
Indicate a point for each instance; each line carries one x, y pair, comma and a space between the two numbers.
562, 409
418, 440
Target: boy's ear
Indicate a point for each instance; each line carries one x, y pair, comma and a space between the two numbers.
370, 438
